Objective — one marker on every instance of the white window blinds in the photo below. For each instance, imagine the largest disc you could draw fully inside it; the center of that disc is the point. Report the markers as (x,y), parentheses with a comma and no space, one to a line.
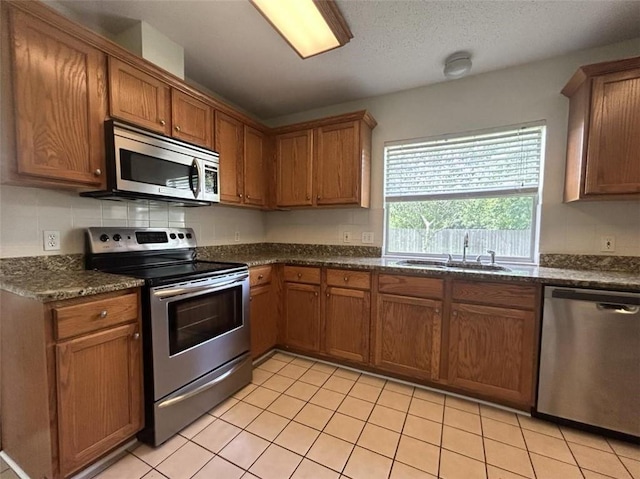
(487,163)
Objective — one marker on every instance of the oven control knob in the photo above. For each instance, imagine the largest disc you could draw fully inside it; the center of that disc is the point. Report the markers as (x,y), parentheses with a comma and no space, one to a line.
(172,236)
(188,235)
(180,235)
(117,237)
(104,238)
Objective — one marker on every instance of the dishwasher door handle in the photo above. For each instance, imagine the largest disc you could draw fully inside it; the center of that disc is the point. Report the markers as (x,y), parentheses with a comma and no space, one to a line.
(618,308)
(596,297)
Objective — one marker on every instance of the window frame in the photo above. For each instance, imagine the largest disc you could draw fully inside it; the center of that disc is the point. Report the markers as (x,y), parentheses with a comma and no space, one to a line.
(534,193)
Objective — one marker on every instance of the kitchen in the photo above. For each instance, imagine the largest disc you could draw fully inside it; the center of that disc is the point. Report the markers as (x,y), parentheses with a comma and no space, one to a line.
(516,95)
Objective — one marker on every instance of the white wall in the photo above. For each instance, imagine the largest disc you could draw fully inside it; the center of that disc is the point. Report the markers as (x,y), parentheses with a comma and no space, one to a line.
(520,94)
(26,212)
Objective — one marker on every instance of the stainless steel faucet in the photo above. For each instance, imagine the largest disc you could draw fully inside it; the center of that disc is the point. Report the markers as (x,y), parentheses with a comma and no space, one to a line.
(465,246)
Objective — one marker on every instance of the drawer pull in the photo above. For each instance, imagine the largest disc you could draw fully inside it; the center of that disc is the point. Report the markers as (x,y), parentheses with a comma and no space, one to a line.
(178,128)
(455,313)
(162,122)
(260,276)
(328,294)
(136,336)
(437,311)
(346,278)
(299,275)
(315,293)
(250,298)
(103,313)
(97,172)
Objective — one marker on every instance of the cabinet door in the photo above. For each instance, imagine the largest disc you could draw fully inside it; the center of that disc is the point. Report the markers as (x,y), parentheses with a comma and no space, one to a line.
(192,119)
(264,328)
(302,316)
(99,387)
(255,167)
(60,103)
(491,351)
(294,168)
(138,97)
(347,313)
(338,166)
(229,135)
(408,336)
(613,151)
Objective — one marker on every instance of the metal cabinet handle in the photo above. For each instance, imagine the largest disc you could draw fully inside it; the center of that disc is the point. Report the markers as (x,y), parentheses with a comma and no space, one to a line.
(136,336)
(437,311)
(455,313)
(299,275)
(97,172)
(308,197)
(250,298)
(162,122)
(260,276)
(178,128)
(248,197)
(346,278)
(318,197)
(240,195)
(103,313)
(328,294)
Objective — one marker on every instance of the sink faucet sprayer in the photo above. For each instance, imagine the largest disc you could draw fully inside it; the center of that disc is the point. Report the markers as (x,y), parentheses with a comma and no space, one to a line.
(465,246)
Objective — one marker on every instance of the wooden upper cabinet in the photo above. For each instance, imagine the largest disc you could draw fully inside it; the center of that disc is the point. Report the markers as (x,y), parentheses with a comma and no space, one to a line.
(294,173)
(255,171)
(325,162)
(229,144)
(192,119)
(60,104)
(338,165)
(603,146)
(139,98)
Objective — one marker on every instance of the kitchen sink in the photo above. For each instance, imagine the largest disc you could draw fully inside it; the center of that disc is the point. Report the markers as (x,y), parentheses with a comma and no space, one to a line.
(452,265)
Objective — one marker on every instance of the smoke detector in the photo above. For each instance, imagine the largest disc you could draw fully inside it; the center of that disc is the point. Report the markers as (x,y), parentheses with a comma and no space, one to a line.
(457,65)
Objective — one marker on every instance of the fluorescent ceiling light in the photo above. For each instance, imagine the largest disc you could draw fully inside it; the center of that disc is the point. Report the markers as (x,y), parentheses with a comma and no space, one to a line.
(309,26)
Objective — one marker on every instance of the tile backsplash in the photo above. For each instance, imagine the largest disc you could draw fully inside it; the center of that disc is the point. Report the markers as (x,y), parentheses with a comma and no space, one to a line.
(26,212)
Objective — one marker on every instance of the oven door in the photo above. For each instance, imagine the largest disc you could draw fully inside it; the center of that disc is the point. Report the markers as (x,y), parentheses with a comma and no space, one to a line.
(196,327)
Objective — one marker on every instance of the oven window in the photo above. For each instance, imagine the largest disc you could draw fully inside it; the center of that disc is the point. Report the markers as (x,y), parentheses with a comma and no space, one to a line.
(154,171)
(196,320)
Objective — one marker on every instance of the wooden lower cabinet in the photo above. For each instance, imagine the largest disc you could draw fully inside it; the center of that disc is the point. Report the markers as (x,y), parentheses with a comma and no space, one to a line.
(264,327)
(302,316)
(71,380)
(407,335)
(492,352)
(99,384)
(347,313)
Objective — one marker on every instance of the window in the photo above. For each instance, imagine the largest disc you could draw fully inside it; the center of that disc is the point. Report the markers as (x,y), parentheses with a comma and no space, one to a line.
(485,183)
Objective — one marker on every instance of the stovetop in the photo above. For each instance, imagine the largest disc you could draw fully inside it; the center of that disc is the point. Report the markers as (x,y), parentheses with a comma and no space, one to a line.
(157,255)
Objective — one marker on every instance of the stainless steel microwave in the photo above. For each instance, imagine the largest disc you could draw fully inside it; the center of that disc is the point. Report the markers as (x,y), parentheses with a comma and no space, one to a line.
(145,165)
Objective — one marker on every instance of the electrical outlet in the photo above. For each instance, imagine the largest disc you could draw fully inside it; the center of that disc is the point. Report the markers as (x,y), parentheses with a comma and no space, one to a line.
(367,237)
(608,243)
(237,236)
(346,237)
(51,240)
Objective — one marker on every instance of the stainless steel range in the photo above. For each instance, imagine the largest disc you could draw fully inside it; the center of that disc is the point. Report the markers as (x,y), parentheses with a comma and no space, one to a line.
(195,321)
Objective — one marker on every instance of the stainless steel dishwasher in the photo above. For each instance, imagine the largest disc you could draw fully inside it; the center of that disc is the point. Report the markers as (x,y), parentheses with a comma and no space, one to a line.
(590,358)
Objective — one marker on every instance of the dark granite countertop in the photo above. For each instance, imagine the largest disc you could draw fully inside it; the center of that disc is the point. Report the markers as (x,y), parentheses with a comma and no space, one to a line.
(525,274)
(52,285)
(50,278)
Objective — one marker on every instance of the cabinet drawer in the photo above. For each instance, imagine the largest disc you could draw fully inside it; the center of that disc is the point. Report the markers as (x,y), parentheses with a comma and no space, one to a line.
(349,279)
(260,275)
(410,286)
(91,316)
(499,294)
(302,274)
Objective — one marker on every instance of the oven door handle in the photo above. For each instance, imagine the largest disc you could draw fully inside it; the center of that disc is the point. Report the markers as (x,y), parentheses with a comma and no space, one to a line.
(170,293)
(184,396)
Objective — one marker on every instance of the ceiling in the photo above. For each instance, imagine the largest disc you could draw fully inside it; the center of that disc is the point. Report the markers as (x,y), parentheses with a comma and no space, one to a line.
(397,44)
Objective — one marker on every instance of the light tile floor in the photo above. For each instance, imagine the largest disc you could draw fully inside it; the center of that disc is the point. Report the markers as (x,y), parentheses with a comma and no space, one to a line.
(301,419)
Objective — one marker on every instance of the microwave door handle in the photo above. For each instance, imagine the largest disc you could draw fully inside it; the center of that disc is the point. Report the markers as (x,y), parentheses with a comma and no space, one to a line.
(200,178)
